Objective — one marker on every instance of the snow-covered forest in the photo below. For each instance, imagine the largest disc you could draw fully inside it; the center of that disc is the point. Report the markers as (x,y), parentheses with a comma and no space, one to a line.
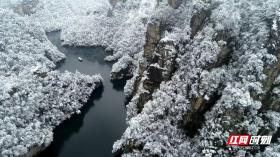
(197,70)
(33,97)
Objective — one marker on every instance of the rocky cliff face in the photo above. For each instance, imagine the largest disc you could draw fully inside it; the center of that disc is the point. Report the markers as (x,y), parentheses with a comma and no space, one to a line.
(114,2)
(213,73)
(158,65)
(153,36)
(201,70)
(175,3)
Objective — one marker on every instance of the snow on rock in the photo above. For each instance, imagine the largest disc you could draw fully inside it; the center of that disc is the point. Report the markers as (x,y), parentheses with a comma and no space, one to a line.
(124,68)
(33,98)
(219,59)
(225,82)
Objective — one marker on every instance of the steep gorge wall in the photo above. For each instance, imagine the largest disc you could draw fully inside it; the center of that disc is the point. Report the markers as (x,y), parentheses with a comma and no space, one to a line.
(220,78)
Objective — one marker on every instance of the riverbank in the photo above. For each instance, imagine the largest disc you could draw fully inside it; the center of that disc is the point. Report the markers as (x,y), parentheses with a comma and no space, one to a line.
(102,119)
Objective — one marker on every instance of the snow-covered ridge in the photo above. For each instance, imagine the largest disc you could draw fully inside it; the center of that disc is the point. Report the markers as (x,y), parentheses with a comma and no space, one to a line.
(120,28)
(225,57)
(61,14)
(225,81)
(33,98)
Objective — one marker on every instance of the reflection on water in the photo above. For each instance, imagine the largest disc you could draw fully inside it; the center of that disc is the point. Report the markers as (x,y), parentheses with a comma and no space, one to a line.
(102,121)
(119,84)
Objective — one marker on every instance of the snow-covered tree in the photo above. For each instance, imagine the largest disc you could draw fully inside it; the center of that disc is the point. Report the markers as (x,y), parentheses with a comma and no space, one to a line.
(33,97)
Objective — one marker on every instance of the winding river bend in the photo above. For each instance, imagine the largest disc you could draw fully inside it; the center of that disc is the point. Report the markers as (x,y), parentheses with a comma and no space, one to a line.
(102,121)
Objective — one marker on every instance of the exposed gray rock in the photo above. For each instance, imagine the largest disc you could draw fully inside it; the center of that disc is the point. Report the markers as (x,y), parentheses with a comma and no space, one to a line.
(154,74)
(114,2)
(198,20)
(124,69)
(175,3)
(160,67)
(152,38)
(125,73)
(270,100)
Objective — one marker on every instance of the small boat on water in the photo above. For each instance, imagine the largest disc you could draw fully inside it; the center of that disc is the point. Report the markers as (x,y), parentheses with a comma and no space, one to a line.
(80,59)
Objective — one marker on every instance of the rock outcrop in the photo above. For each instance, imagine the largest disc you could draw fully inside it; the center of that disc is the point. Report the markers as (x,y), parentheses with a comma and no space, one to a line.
(114,2)
(194,119)
(153,35)
(175,3)
(270,98)
(124,69)
(159,65)
(225,81)
(198,20)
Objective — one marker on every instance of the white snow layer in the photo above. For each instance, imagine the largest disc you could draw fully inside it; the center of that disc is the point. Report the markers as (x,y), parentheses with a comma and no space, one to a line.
(157,131)
(34,98)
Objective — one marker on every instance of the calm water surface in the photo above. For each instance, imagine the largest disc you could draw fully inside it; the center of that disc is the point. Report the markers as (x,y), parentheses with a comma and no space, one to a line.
(102,122)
